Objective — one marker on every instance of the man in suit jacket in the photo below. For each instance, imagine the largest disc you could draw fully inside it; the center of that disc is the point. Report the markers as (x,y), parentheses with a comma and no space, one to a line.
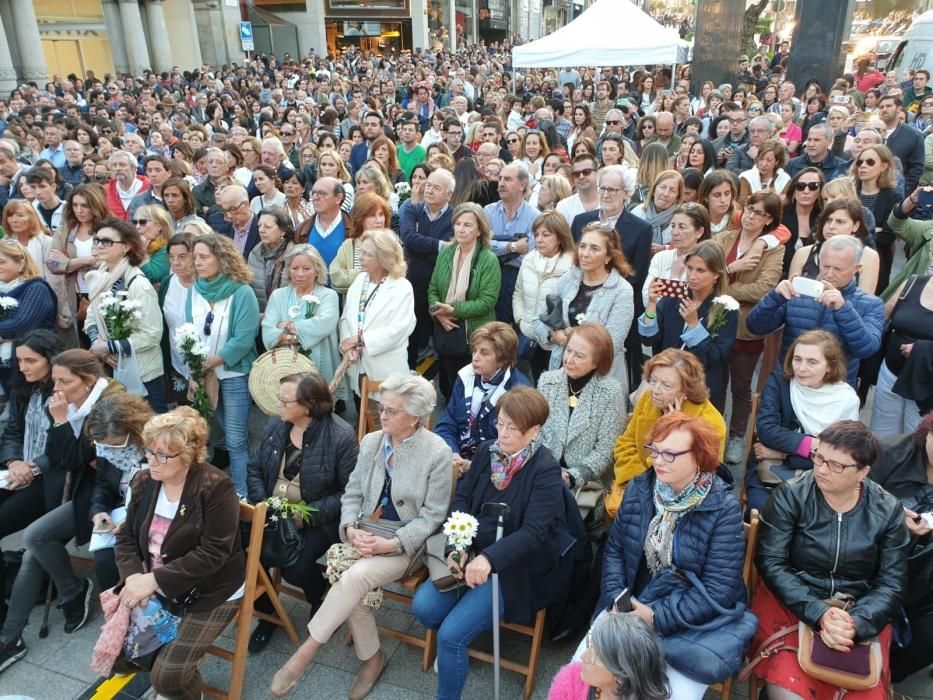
(904,141)
(372,129)
(234,201)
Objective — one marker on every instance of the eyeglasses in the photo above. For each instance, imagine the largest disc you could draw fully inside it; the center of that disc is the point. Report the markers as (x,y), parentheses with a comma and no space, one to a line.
(507,427)
(230,210)
(140,222)
(812,186)
(870,162)
(611,191)
(288,133)
(282,402)
(390,412)
(741,120)
(104,242)
(757,213)
(160,457)
(663,456)
(321,193)
(831,464)
(208,321)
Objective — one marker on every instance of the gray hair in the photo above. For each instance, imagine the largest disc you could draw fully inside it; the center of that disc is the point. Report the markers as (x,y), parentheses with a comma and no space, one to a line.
(317,262)
(625,174)
(117,155)
(845,243)
(617,113)
(758,121)
(524,176)
(632,653)
(826,128)
(448,177)
(417,394)
(274,141)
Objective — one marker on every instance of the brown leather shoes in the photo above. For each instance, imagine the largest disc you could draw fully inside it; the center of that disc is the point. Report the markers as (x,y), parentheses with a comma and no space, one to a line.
(367,677)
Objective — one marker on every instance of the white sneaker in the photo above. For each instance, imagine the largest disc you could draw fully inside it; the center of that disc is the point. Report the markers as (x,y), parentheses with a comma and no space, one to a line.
(735,450)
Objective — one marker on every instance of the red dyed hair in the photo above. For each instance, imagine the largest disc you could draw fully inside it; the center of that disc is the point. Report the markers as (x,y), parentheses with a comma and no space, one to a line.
(704,440)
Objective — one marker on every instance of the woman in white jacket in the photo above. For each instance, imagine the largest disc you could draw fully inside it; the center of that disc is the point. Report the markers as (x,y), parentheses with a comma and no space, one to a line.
(541,268)
(379,311)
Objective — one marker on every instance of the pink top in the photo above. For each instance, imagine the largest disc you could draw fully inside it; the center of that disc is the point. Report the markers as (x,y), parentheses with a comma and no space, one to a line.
(568,685)
(791,133)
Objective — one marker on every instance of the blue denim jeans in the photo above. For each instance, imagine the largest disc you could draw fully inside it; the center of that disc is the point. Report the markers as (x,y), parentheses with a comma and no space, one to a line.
(457,622)
(233,416)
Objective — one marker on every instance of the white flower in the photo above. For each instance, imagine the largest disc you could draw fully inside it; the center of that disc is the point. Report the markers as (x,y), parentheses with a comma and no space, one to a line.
(187,331)
(402,188)
(727,302)
(294,311)
(274,518)
(138,315)
(7,303)
(460,529)
(107,300)
(581,319)
(131,304)
(311,299)
(200,349)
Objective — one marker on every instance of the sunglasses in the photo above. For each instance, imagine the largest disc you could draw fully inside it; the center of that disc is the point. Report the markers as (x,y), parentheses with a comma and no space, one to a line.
(586,172)
(613,122)
(140,222)
(870,162)
(104,242)
(208,321)
(511,140)
(812,186)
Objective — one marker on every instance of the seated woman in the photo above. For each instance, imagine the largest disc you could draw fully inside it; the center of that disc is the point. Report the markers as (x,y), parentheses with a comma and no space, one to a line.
(181,541)
(518,470)
(305,456)
(115,427)
(594,289)
(689,522)
(800,400)
(903,469)
(402,480)
(31,488)
(832,533)
(838,218)
(674,382)
(622,660)
(672,322)
(470,416)
(586,411)
(78,383)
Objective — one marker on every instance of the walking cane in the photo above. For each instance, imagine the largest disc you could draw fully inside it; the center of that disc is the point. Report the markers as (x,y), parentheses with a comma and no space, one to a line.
(498,510)
(44,628)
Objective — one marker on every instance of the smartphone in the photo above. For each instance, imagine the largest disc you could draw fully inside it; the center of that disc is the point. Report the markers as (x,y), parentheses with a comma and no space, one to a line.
(840,100)
(926,519)
(622,603)
(673,288)
(806,287)
(925,198)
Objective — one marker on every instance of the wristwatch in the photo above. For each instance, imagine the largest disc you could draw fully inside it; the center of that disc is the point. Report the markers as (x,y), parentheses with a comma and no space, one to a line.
(512,247)
(399,549)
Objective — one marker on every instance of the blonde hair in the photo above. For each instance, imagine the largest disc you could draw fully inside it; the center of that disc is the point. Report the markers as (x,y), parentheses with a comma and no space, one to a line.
(344,175)
(559,187)
(372,171)
(231,260)
(202,227)
(15,251)
(388,251)
(182,430)
(163,219)
(36,226)
(317,262)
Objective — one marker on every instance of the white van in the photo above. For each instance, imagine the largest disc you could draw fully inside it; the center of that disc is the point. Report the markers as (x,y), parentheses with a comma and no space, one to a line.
(916,50)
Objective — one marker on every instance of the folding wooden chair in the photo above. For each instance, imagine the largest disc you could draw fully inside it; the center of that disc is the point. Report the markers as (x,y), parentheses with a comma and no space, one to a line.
(366,423)
(530,669)
(257,584)
(749,578)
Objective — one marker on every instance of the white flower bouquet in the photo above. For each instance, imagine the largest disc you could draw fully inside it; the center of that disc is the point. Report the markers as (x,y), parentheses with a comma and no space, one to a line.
(460,530)
(403,190)
(121,314)
(312,304)
(7,306)
(723,305)
(195,353)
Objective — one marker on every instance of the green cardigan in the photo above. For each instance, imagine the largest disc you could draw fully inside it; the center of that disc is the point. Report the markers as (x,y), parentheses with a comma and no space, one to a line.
(479,307)
(157,268)
(240,349)
(918,235)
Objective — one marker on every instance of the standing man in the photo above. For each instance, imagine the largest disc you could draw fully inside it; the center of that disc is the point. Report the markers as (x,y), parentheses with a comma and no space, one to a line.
(601,106)
(664,133)
(425,230)
(918,89)
(586,198)
(234,203)
(737,136)
(453,139)
(817,154)
(904,141)
(744,157)
(53,150)
(125,185)
(47,204)
(11,173)
(410,152)
(327,228)
(157,171)
(204,194)
(73,170)
(372,129)
(511,220)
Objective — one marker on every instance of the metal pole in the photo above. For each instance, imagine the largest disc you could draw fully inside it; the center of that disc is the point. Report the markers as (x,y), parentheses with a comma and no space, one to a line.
(499,510)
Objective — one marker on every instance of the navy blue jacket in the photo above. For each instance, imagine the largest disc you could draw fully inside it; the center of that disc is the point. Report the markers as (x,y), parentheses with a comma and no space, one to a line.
(358,156)
(420,237)
(713,352)
(831,165)
(857,324)
(454,421)
(709,541)
(535,533)
(635,239)
(225,228)
(906,143)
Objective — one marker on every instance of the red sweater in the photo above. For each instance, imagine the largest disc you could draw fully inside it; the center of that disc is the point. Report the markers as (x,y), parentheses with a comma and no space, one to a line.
(115,204)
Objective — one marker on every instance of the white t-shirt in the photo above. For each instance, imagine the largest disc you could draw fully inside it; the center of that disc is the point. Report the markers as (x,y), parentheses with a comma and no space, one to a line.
(83,249)
(174,311)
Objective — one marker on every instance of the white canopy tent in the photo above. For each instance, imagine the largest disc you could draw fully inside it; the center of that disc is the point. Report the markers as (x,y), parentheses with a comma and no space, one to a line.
(608,33)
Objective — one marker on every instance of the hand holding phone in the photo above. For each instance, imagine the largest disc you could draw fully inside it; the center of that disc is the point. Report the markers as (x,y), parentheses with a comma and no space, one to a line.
(806,287)
(622,603)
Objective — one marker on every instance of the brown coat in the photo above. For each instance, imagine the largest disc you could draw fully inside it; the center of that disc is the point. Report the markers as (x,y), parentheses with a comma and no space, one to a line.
(201,553)
(750,286)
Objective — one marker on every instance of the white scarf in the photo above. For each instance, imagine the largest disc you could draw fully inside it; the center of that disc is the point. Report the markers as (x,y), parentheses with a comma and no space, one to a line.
(818,408)
(76,416)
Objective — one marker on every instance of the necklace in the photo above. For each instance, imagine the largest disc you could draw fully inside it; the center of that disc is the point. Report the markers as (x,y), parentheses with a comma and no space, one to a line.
(572,400)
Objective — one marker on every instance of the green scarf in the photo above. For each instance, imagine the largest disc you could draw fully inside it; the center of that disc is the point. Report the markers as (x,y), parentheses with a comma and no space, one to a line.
(216,289)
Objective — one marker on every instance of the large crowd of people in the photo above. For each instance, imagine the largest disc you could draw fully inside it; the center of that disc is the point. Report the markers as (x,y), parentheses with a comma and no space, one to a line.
(606,271)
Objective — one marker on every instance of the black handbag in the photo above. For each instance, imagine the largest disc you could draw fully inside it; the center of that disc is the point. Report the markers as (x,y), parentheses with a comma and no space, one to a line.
(282,543)
(451,343)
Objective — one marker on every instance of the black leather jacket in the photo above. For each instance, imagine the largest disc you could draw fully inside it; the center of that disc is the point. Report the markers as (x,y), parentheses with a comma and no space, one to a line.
(807,552)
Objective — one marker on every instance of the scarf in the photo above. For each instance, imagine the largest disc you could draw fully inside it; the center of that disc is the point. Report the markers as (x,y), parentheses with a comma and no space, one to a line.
(216,289)
(274,264)
(460,276)
(816,409)
(671,507)
(659,222)
(104,281)
(503,467)
(7,287)
(109,645)
(478,404)
(76,416)
(36,426)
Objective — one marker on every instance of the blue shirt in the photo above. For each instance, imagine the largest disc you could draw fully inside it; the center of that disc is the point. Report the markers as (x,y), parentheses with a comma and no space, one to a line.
(57,156)
(505,230)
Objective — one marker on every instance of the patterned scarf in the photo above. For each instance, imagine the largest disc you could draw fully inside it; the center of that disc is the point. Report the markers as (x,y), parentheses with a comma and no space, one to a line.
(503,467)
(670,507)
(477,405)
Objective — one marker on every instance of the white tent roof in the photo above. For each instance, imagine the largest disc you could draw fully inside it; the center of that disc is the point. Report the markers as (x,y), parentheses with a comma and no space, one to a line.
(608,33)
